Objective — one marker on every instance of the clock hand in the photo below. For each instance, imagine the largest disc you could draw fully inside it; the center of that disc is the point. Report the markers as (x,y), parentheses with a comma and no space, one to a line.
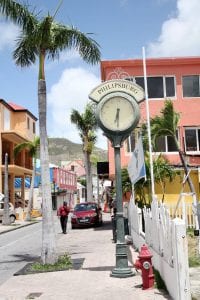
(117,117)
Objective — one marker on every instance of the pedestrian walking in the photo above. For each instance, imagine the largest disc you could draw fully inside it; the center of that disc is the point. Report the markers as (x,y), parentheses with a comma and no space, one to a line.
(63,213)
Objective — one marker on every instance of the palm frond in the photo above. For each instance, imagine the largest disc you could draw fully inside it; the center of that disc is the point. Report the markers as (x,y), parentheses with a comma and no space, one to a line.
(166,124)
(71,38)
(31,146)
(77,119)
(26,51)
(19,14)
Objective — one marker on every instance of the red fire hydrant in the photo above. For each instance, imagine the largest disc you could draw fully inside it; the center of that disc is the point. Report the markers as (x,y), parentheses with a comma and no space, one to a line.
(145,265)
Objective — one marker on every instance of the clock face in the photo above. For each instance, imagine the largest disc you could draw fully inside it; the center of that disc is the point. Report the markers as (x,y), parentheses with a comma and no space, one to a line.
(117,113)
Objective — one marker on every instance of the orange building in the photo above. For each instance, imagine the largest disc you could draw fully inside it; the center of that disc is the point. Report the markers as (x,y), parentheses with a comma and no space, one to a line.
(17,125)
(177,79)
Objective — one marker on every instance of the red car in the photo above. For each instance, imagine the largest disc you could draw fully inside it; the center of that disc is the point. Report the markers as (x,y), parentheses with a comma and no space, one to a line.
(86,214)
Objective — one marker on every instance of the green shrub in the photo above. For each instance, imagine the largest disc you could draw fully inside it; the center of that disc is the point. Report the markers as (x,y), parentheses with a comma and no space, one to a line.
(63,263)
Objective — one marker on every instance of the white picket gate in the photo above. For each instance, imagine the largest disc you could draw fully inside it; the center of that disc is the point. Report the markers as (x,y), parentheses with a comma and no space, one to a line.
(184,211)
(166,238)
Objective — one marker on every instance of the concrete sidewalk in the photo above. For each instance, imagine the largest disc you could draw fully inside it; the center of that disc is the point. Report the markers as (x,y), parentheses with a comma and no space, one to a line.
(97,251)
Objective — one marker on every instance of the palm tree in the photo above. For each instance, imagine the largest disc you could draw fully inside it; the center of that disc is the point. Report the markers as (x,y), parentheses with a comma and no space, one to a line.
(86,124)
(163,172)
(33,148)
(166,125)
(45,39)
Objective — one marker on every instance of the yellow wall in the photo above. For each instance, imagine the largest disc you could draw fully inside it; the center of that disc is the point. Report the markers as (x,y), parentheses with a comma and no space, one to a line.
(14,129)
(19,124)
(173,189)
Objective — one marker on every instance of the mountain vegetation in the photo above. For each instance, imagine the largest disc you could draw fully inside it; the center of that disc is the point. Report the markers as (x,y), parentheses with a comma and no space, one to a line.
(61,149)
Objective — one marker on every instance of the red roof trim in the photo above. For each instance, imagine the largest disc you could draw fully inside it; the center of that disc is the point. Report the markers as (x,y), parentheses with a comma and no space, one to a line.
(16,107)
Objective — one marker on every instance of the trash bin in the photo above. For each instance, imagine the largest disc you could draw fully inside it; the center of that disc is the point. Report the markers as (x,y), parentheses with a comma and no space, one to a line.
(114,229)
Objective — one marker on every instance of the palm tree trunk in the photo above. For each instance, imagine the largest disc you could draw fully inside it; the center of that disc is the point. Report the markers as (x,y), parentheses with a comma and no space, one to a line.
(190,183)
(30,202)
(88,176)
(48,255)
(185,167)
(192,189)
(6,218)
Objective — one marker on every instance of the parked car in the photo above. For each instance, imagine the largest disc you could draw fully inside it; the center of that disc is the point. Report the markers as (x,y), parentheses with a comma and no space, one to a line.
(11,212)
(86,214)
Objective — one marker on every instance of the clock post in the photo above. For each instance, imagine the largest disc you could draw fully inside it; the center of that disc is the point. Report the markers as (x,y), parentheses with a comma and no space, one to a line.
(121,269)
(117,115)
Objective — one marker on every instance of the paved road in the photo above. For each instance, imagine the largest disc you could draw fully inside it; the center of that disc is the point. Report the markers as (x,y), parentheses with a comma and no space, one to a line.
(17,248)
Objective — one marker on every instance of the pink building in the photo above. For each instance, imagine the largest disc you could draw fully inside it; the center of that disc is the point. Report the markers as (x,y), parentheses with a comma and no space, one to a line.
(64,186)
(76,166)
(177,79)
(65,179)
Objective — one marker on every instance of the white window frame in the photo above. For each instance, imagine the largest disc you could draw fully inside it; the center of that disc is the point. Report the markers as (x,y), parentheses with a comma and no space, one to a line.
(198,142)
(128,141)
(189,97)
(133,78)
(166,146)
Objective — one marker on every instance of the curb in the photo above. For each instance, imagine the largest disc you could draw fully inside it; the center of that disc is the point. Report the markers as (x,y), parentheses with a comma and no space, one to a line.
(18,227)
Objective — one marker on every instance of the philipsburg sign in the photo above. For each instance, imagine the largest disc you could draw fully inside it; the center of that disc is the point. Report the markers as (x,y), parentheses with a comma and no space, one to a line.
(112,86)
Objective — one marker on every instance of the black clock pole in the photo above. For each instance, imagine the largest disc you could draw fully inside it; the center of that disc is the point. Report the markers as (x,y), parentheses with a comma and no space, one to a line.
(121,270)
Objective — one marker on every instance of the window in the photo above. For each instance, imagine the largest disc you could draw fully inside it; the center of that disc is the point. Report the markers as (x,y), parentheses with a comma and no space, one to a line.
(192,139)
(165,144)
(158,86)
(33,127)
(191,86)
(28,123)
(130,143)
(83,192)
(6,119)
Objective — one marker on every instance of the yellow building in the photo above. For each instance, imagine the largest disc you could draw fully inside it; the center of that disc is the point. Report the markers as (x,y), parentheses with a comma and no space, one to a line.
(17,125)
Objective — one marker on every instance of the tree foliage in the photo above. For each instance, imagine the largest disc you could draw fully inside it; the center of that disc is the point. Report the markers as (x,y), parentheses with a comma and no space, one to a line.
(166,124)
(86,124)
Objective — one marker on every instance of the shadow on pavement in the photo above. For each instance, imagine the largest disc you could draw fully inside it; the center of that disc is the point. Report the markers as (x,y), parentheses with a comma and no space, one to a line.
(23,257)
(105,226)
(105,268)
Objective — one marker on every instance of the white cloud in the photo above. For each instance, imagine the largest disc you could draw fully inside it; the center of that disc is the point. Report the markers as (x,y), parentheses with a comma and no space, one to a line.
(179,35)
(70,92)
(8,34)
(70,55)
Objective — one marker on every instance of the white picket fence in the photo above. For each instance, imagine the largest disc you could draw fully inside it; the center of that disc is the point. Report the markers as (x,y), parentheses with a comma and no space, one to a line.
(184,211)
(166,238)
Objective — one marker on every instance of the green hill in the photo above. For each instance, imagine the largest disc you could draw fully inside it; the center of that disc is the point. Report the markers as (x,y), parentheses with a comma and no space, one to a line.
(61,149)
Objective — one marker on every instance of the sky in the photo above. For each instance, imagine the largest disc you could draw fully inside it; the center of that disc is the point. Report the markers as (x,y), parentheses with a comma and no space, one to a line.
(166,28)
